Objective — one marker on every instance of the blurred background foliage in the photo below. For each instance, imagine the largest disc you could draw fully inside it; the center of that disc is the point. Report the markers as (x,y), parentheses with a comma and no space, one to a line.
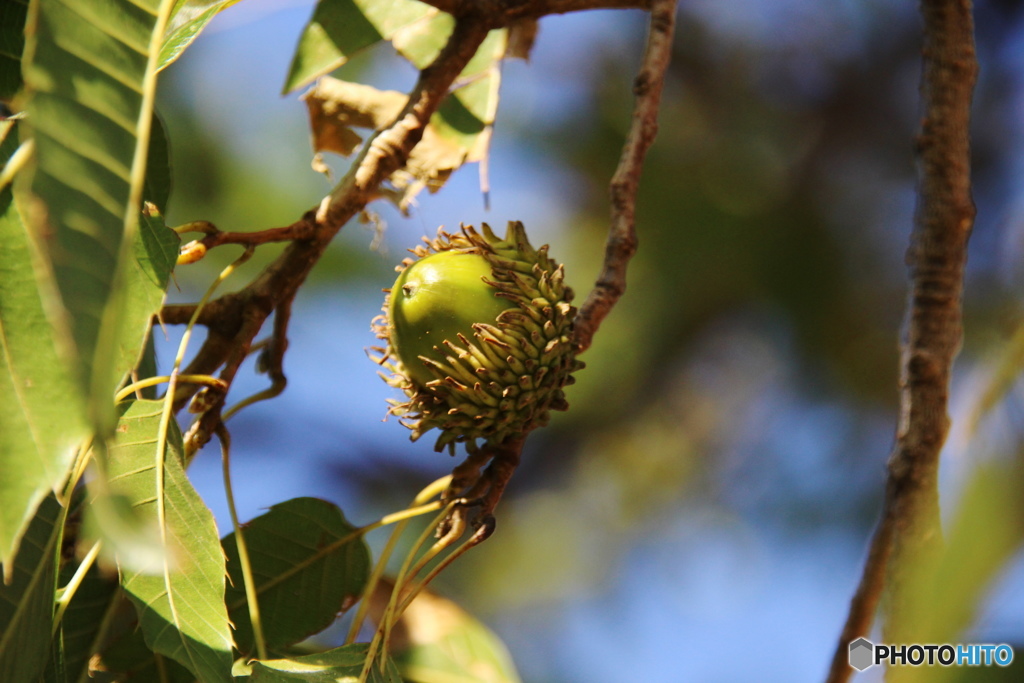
(710,493)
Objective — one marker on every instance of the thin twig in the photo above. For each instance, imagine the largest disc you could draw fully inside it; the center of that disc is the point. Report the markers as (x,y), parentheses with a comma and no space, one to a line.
(622,239)
(271,360)
(300,230)
(909,531)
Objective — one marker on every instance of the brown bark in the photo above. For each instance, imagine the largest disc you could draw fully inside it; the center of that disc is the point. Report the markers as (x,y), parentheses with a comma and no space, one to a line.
(909,536)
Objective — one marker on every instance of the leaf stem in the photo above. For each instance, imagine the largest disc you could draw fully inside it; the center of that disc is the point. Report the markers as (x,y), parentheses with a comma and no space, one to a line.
(208,380)
(419,505)
(18,160)
(243,550)
(348,538)
(379,642)
(406,575)
(166,414)
(69,590)
(481,535)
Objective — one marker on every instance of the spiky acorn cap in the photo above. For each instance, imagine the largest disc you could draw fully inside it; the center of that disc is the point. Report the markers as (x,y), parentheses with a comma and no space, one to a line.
(479,337)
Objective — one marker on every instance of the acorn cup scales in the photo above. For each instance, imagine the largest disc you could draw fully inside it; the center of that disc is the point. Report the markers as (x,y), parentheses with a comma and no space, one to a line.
(478,334)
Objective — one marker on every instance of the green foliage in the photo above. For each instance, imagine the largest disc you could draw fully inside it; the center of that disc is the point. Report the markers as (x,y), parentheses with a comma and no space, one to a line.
(87,262)
(188,19)
(154,251)
(128,658)
(181,604)
(12,42)
(470,110)
(459,130)
(26,603)
(446,644)
(82,629)
(39,411)
(90,72)
(308,564)
(341,665)
(339,29)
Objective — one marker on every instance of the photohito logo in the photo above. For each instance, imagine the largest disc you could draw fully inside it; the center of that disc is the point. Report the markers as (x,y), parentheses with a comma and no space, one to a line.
(864,654)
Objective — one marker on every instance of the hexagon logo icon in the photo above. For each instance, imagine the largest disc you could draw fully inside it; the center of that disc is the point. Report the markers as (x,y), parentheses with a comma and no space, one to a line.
(862,654)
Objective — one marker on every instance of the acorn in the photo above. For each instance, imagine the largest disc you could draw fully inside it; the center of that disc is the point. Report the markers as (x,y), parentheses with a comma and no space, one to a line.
(478,334)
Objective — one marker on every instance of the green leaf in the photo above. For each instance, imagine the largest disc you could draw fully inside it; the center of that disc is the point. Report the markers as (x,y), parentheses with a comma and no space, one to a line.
(303,576)
(189,18)
(90,69)
(12,43)
(155,251)
(82,627)
(459,132)
(470,110)
(181,607)
(984,535)
(341,665)
(128,659)
(341,28)
(444,644)
(40,423)
(26,604)
(158,166)
(422,41)
(147,366)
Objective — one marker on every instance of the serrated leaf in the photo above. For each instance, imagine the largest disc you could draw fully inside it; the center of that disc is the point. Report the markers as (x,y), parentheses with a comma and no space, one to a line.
(181,608)
(90,69)
(188,20)
(26,604)
(341,28)
(40,415)
(340,665)
(303,576)
(12,43)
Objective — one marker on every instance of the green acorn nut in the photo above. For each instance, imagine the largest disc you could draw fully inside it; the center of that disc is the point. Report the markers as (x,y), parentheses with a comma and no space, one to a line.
(479,337)
(439,297)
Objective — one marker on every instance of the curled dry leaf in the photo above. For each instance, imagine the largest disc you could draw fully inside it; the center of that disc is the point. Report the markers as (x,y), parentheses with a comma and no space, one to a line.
(336,107)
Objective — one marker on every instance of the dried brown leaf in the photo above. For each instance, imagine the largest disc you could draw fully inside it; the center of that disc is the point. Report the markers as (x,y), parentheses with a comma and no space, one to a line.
(336,107)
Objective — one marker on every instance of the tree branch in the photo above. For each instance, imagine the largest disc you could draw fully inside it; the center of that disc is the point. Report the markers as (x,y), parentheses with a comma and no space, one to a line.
(622,239)
(535,10)
(909,533)
(235,319)
(510,10)
(386,152)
